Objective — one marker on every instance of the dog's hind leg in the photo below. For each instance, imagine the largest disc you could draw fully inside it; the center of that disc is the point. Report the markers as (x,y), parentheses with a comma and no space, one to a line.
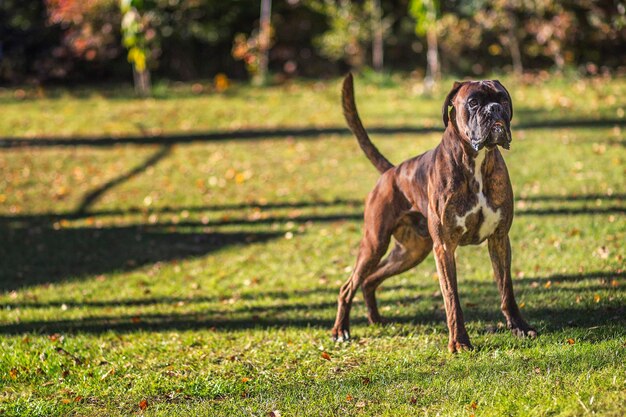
(410,249)
(380,220)
(371,251)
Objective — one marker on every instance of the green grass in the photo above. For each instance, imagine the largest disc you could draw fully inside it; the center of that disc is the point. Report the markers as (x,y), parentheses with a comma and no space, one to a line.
(202,277)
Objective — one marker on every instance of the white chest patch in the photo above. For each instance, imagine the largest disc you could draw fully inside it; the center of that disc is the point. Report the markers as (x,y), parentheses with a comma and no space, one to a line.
(491,218)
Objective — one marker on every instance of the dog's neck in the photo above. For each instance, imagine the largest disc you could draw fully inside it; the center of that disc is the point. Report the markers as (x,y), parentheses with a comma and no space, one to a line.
(459,149)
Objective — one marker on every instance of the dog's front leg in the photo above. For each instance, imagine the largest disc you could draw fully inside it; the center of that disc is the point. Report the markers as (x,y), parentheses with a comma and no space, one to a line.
(446,268)
(500,253)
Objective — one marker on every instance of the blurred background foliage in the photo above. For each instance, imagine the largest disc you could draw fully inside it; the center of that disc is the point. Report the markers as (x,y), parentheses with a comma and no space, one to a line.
(83,40)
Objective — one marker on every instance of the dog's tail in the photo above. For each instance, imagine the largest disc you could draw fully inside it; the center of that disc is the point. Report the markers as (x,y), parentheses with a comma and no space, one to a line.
(354,122)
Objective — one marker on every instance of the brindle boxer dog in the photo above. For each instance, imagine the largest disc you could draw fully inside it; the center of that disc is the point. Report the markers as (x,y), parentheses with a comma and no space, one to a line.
(456,194)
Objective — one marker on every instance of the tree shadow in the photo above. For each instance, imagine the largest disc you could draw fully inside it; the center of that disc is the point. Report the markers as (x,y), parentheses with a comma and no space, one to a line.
(487,289)
(39,249)
(278,311)
(36,250)
(353,203)
(93,196)
(284,133)
(50,217)
(574,197)
(550,320)
(37,255)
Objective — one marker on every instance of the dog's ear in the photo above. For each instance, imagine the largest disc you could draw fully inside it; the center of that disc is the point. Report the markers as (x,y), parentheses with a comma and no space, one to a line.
(448,102)
(507,95)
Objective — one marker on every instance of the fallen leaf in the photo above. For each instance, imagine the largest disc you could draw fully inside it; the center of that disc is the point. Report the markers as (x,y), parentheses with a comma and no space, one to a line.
(274,413)
(66,400)
(614,283)
(326,356)
(78,399)
(108,374)
(349,397)
(596,298)
(548,284)
(473,405)
(413,400)
(574,232)
(55,337)
(143,404)
(602,252)
(360,404)
(245,379)
(571,341)
(13,373)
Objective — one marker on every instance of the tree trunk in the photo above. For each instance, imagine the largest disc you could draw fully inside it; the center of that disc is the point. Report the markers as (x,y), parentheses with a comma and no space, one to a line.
(142,82)
(377,37)
(264,42)
(516,55)
(433,73)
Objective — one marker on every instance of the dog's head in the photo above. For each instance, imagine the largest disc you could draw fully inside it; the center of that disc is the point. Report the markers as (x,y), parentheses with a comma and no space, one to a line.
(481,113)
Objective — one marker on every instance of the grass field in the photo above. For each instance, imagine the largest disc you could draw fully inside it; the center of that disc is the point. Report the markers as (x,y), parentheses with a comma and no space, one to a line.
(182,256)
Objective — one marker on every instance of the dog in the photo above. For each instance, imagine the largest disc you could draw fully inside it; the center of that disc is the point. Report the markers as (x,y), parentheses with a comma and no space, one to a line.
(456,194)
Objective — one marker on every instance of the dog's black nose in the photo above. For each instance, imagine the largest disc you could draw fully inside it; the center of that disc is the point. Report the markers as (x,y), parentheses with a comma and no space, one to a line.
(494,108)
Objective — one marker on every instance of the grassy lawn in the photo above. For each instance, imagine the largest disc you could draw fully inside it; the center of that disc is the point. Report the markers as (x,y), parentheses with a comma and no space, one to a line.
(182,256)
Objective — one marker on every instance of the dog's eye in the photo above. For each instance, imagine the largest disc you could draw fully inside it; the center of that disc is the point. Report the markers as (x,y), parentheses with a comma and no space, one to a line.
(473,102)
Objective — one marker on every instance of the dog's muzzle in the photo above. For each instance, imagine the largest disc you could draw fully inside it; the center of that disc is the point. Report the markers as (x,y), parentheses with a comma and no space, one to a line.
(499,135)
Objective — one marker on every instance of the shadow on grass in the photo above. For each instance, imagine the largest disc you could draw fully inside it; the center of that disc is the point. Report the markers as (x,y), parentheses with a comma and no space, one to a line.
(36,255)
(38,249)
(301,314)
(352,203)
(93,196)
(487,289)
(286,133)
(553,319)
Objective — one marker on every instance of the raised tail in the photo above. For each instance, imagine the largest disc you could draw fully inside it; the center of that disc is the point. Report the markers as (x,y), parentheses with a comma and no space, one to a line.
(354,122)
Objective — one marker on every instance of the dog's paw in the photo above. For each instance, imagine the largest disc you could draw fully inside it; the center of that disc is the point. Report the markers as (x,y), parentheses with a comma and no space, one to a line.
(526,331)
(522,329)
(455,346)
(341,335)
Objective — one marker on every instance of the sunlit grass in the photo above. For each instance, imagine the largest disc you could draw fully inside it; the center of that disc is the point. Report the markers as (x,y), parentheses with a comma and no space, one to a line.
(202,277)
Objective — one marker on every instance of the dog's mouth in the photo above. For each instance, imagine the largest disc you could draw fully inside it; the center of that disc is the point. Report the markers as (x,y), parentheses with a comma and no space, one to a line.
(498,134)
